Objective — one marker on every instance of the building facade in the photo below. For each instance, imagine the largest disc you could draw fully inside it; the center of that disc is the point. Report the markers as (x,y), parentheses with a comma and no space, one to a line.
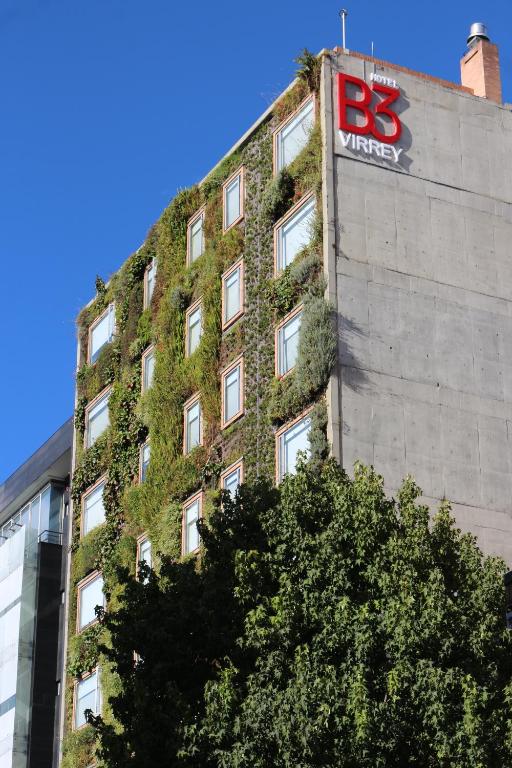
(33,507)
(366,192)
(420,273)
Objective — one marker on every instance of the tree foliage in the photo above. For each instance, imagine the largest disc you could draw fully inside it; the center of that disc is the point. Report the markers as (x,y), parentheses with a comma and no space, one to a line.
(327,626)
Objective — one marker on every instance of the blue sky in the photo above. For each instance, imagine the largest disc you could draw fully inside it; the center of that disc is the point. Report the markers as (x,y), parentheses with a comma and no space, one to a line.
(110,106)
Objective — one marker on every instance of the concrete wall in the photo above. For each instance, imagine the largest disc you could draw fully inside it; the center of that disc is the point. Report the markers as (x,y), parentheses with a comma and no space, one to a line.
(419,261)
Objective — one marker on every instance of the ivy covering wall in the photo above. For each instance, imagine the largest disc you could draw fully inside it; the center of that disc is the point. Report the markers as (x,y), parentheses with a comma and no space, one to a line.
(155,506)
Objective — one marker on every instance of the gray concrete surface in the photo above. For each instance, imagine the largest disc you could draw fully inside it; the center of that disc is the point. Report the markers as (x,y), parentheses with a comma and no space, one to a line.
(420,254)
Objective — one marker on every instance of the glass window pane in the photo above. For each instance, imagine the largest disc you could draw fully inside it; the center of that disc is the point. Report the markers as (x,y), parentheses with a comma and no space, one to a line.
(232,202)
(145,552)
(191,532)
(34,513)
(98,420)
(149,370)
(295,135)
(90,596)
(232,481)
(196,239)
(144,465)
(292,441)
(94,510)
(193,427)
(288,343)
(194,330)
(150,282)
(295,234)
(232,394)
(25,515)
(86,698)
(102,333)
(232,295)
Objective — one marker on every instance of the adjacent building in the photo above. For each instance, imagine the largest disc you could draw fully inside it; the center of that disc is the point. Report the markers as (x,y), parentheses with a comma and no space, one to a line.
(340,281)
(33,514)
(419,269)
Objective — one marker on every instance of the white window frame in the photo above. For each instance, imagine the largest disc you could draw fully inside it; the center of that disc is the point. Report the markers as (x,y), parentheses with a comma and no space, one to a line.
(104,394)
(191,402)
(197,305)
(196,498)
(100,482)
(152,266)
(98,702)
(279,343)
(85,584)
(308,105)
(199,216)
(238,363)
(285,221)
(109,314)
(238,266)
(240,172)
(280,442)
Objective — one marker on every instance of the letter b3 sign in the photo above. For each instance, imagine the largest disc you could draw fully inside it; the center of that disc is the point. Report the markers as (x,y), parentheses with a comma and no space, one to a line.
(363,106)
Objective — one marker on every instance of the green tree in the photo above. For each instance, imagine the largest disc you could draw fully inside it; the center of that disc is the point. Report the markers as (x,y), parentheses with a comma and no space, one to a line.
(336,627)
(169,635)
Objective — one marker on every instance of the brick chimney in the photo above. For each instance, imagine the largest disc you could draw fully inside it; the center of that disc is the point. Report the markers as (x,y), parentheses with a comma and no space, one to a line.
(480,65)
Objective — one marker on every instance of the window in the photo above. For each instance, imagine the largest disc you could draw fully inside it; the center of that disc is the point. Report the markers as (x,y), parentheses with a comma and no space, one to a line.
(287,342)
(145,454)
(233,199)
(148,368)
(192,512)
(87,696)
(93,510)
(232,392)
(193,427)
(232,294)
(232,478)
(195,237)
(101,332)
(293,232)
(96,418)
(42,513)
(90,594)
(293,135)
(144,553)
(193,328)
(149,282)
(290,440)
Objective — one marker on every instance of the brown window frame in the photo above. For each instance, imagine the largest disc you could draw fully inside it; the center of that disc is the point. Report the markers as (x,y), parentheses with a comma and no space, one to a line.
(193,307)
(79,587)
(197,215)
(240,171)
(279,434)
(198,496)
(286,319)
(99,481)
(283,124)
(238,265)
(196,397)
(238,362)
(284,219)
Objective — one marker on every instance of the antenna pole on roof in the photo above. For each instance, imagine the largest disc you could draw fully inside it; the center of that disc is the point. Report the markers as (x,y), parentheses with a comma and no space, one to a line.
(343,14)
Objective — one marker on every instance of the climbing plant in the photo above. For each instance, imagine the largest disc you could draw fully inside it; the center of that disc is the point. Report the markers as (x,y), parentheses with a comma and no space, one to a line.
(155,506)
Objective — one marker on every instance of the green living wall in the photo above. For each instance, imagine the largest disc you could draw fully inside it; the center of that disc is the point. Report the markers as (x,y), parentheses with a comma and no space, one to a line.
(155,506)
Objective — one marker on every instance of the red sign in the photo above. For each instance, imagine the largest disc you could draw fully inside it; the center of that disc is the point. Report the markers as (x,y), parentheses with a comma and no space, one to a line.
(364,107)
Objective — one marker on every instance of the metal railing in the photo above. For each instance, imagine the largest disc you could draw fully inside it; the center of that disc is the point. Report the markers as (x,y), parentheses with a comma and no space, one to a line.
(50,537)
